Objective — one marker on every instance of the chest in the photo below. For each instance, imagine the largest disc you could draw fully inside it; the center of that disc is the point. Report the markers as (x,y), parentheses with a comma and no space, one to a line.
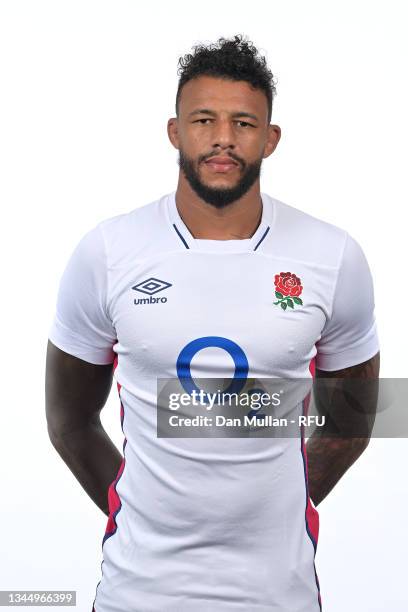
(215,302)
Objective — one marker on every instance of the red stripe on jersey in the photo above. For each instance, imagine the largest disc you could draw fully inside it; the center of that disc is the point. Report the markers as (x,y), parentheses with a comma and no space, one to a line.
(312,366)
(114,501)
(311,514)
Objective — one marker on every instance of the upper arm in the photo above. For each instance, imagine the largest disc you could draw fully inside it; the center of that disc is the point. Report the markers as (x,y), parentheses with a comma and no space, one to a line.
(348,352)
(80,355)
(367,369)
(82,326)
(348,399)
(75,390)
(350,336)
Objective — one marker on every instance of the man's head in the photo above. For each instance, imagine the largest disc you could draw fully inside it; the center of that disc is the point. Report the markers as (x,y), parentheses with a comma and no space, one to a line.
(223,107)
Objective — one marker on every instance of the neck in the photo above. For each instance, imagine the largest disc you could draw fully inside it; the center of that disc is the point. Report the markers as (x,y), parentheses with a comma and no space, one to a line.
(236,221)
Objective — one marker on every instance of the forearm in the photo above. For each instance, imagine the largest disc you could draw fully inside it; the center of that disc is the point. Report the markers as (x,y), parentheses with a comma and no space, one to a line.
(328,460)
(92,457)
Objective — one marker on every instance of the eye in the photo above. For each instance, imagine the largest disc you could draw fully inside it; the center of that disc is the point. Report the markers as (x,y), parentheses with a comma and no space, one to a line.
(243,124)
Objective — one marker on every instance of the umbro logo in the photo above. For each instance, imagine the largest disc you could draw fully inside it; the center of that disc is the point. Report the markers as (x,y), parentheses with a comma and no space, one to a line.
(151,286)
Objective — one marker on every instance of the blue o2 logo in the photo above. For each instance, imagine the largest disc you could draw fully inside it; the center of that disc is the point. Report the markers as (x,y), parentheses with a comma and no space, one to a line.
(232,348)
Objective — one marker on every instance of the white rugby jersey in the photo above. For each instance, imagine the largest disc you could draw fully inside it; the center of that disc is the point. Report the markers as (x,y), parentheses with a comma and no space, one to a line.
(211,524)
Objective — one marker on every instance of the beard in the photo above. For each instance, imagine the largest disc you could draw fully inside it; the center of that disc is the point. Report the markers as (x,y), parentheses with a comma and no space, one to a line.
(216,196)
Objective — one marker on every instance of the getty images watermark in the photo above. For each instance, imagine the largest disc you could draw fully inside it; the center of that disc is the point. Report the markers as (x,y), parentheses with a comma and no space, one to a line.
(250,404)
(284,408)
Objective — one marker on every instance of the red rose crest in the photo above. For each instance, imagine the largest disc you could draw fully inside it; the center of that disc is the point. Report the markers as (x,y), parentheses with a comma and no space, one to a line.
(288,287)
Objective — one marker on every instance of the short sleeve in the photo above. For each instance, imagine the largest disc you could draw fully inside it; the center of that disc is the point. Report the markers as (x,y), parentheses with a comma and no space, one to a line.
(81,325)
(350,336)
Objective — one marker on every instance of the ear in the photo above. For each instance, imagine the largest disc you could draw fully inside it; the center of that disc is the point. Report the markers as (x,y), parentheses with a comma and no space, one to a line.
(172,132)
(274,134)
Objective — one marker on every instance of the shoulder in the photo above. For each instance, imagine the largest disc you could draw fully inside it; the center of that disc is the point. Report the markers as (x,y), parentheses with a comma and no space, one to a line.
(305,236)
(141,218)
(135,230)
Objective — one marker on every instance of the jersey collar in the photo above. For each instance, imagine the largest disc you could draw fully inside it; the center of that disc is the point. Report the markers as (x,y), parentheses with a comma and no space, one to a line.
(244,244)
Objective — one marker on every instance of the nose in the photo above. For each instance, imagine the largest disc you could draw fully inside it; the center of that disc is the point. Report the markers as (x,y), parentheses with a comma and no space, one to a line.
(223,134)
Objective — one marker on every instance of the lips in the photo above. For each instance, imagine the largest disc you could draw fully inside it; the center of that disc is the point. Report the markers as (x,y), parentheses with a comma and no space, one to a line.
(221,161)
(221,164)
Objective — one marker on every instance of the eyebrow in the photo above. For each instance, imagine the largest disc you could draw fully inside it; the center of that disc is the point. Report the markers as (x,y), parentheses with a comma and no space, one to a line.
(207,111)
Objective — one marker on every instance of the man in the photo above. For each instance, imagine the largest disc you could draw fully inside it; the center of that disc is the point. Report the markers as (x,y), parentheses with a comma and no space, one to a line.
(211,276)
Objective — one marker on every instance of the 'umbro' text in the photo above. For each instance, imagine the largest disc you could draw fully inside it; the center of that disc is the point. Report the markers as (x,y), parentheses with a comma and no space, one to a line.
(150,300)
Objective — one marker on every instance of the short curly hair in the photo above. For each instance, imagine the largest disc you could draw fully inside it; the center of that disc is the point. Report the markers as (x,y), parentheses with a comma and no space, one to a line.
(234,59)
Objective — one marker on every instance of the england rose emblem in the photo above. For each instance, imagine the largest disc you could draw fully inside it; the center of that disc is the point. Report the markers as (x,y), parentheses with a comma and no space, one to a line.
(288,287)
